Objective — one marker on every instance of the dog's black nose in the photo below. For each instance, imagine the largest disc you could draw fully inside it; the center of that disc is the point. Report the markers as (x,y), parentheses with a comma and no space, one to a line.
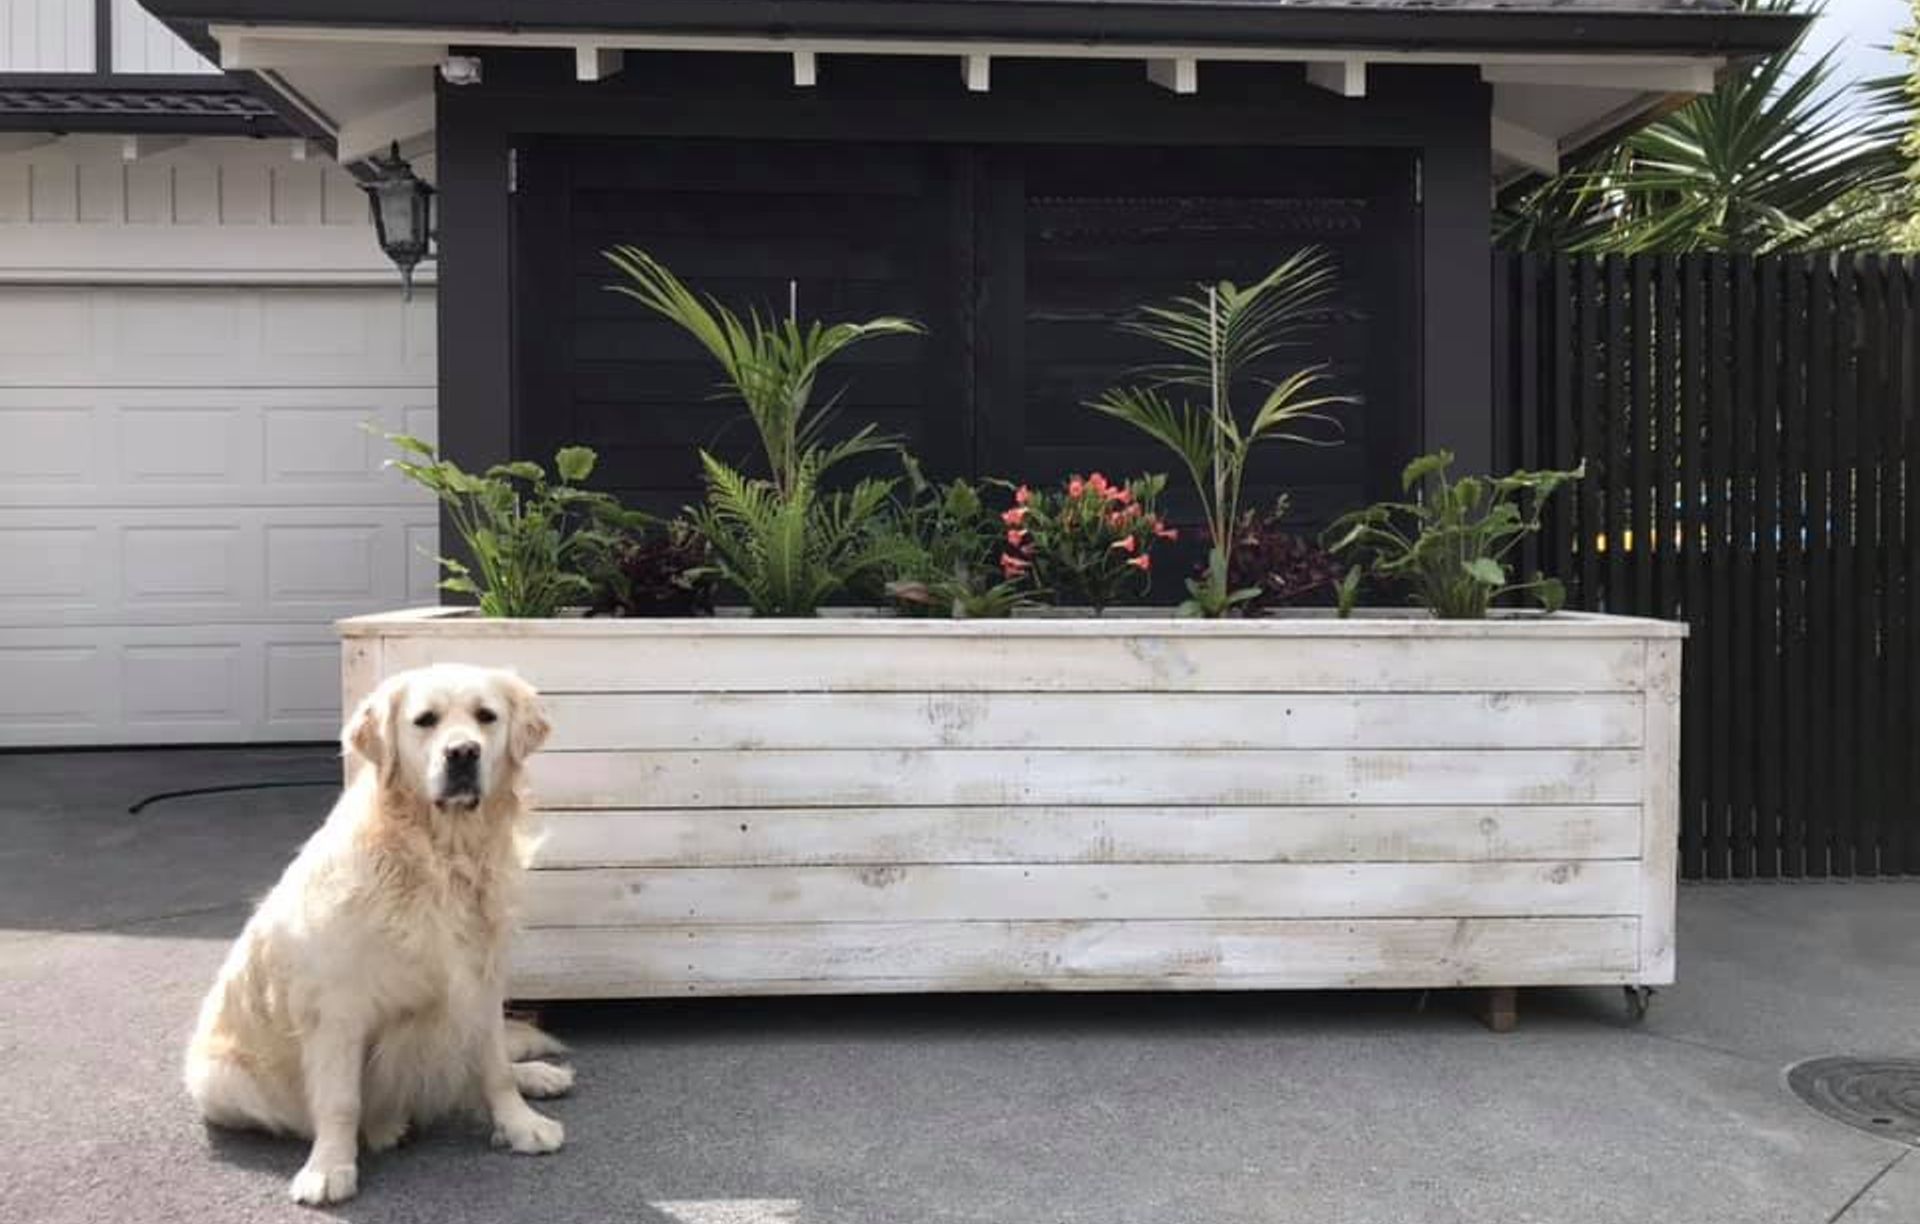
(463,754)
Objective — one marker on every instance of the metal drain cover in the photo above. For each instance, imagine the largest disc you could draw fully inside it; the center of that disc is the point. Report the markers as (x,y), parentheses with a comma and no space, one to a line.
(1878,1095)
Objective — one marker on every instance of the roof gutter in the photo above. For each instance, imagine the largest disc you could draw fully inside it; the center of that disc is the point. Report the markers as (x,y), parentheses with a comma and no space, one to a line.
(1222,23)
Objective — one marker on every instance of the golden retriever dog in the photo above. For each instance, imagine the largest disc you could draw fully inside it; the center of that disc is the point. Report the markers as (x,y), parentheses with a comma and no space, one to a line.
(364,996)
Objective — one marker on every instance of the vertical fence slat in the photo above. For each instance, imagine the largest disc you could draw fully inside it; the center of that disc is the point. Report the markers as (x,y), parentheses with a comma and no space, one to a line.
(1587,521)
(1617,436)
(1910,420)
(1743,610)
(1565,451)
(1846,449)
(1820,603)
(1895,496)
(1694,752)
(1719,613)
(1766,519)
(1869,403)
(1795,524)
(1641,420)
(1667,404)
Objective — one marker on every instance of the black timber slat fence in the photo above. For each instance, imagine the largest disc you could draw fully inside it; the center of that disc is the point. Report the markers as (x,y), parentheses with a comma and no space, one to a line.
(1748,425)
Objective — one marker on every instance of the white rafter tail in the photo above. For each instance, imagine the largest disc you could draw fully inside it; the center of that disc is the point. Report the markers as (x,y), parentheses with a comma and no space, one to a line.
(1181,75)
(1346,77)
(597,63)
(977,72)
(1525,146)
(22,142)
(298,149)
(133,148)
(1688,77)
(400,123)
(806,70)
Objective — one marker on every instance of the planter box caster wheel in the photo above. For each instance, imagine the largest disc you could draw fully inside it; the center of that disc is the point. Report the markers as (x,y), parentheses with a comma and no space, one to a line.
(1639,999)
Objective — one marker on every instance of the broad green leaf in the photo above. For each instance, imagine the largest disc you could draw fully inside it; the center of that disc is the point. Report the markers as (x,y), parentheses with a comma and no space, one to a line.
(574,463)
(1487,570)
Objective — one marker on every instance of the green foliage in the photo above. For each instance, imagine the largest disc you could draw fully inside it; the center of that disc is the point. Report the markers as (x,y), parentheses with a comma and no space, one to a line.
(786,542)
(658,571)
(1090,543)
(1903,94)
(947,540)
(1773,160)
(532,539)
(770,364)
(1451,542)
(1219,334)
(791,550)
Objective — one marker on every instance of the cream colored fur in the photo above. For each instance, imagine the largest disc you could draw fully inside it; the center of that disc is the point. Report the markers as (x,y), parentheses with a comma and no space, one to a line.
(364,996)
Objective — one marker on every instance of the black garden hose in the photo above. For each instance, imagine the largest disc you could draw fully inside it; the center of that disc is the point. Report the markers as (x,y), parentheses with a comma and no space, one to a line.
(136,809)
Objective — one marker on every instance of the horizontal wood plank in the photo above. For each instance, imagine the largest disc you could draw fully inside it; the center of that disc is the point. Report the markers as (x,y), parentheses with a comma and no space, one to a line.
(892,663)
(991,956)
(868,836)
(640,896)
(1082,776)
(1161,721)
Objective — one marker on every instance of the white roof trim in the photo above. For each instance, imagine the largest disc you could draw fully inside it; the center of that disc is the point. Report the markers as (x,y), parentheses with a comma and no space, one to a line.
(631,41)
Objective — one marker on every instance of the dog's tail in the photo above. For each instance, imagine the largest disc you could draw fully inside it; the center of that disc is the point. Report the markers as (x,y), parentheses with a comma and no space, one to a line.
(527,1040)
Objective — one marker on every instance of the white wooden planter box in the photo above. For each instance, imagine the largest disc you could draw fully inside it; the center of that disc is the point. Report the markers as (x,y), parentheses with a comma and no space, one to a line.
(742,806)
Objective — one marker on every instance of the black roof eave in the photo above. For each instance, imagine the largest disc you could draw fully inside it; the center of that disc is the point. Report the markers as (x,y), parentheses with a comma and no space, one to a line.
(1223,23)
(106,117)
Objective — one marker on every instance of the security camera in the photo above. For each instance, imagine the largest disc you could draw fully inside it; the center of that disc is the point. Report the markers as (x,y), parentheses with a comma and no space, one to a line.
(460,70)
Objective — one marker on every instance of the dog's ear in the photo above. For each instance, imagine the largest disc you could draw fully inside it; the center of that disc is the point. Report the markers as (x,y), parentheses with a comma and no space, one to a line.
(528,727)
(369,731)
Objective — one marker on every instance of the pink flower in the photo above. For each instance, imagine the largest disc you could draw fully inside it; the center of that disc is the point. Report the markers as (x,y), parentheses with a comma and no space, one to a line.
(1012,566)
(1126,544)
(1022,495)
(1098,484)
(1165,532)
(1143,563)
(1076,487)
(1017,538)
(1013,517)
(1123,495)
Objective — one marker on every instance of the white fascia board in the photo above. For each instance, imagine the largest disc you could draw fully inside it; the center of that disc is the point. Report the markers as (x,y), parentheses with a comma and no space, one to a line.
(255,53)
(359,36)
(1693,77)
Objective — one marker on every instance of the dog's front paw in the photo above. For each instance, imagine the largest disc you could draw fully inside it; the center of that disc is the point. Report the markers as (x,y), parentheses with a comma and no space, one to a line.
(317,1186)
(540,1080)
(530,1134)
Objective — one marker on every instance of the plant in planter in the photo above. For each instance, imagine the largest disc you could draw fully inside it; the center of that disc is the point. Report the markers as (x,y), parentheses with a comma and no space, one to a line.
(1090,542)
(1219,336)
(531,539)
(788,543)
(1280,566)
(1451,542)
(948,541)
(659,571)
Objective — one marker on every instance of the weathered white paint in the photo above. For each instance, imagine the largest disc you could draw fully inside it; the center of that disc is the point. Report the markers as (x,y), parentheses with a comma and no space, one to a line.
(865,836)
(865,957)
(754,806)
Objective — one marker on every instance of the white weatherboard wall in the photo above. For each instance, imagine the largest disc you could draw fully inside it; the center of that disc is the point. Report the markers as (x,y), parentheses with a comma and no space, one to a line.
(189,346)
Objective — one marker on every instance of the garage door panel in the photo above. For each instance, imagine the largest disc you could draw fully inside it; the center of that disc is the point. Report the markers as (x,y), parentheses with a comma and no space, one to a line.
(189,498)
(169,684)
(208,445)
(262,336)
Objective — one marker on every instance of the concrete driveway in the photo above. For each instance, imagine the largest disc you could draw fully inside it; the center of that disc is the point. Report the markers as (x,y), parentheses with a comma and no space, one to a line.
(1026,1110)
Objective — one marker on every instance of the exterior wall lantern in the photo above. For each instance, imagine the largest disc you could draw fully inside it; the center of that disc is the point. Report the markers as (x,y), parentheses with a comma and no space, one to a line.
(402,213)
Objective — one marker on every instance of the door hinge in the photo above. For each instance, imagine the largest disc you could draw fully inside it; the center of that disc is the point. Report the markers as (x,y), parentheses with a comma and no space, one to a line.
(1419,180)
(513,171)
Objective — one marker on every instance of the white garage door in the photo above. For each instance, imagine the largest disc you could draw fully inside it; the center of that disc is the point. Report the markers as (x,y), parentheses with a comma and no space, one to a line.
(188,500)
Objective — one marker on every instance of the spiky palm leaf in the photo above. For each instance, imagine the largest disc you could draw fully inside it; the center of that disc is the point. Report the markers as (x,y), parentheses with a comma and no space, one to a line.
(771,364)
(1768,161)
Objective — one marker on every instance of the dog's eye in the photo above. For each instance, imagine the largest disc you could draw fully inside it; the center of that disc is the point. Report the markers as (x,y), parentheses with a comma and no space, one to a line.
(425,718)
(485,715)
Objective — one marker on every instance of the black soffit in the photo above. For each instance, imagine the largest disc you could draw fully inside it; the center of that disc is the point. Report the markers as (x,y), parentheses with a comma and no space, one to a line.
(1700,27)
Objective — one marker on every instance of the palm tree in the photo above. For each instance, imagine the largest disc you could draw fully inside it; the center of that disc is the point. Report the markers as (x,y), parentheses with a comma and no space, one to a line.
(1772,160)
